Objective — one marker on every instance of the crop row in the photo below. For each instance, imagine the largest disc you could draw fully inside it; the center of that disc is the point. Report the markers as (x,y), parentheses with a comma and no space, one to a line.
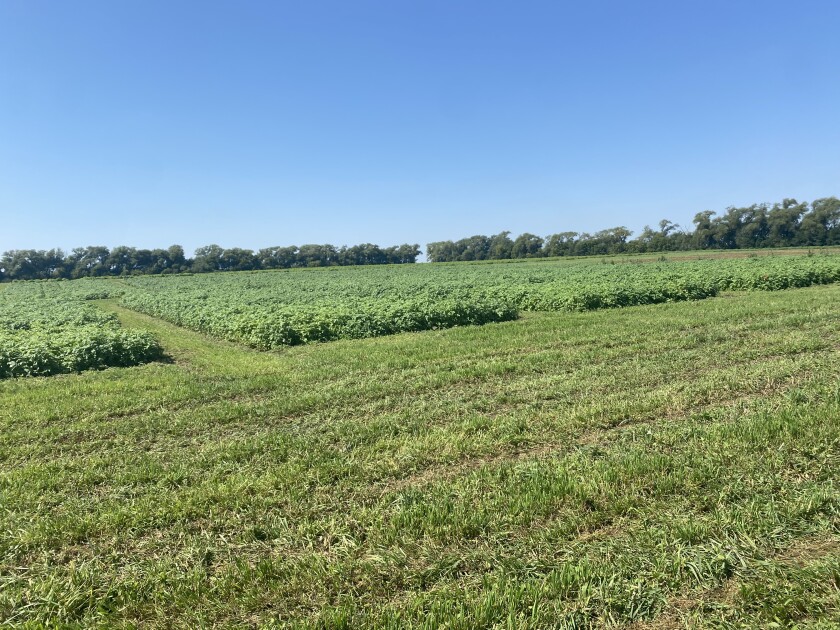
(62,351)
(45,331)
(267,325)
(273,309)
(630,285)
(47,327)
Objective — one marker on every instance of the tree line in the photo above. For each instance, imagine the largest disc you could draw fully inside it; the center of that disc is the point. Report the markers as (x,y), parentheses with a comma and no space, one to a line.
(786,224)
(94,261)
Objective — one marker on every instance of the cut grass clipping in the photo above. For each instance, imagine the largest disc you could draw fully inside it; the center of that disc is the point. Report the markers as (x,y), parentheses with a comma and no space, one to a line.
(665,465)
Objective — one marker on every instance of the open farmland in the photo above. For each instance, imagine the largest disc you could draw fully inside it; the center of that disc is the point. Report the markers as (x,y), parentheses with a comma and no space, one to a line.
(669,464)
(275,309)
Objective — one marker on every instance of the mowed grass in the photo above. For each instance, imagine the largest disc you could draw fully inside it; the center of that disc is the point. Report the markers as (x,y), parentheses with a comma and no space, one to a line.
(659,466)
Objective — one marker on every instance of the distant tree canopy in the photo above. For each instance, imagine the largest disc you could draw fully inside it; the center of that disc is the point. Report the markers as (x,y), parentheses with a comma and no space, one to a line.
(30,264)
(786,224)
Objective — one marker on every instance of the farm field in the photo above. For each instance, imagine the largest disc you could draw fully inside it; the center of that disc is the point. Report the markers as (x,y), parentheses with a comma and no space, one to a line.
(268,310)
(275,309)
(669,464)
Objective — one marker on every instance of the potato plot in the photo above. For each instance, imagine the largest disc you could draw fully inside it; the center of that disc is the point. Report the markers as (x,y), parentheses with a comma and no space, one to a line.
(274,309)
(51,328)
(47,328)
(269,310)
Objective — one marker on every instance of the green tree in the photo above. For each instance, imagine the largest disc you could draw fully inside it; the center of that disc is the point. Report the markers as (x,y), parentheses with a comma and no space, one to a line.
(705,233)
(561,244)
(207,258)
(821,225)
(783,221)
(441,251)
(527,246)
(500,246)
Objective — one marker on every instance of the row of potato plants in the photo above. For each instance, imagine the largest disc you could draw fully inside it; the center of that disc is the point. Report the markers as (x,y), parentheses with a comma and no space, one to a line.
(45,330)
(264,324)
(272,309)
(48,328)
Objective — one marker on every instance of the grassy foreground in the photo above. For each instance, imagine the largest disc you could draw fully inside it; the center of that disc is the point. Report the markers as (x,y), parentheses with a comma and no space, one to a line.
(660,466)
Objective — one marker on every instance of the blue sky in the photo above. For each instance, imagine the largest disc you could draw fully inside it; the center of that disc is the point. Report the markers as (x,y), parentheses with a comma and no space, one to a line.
(251,124)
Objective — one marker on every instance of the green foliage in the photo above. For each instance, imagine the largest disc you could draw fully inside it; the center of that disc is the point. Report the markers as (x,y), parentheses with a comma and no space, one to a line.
(98,261)
(655,467)
(42,352)
(273,310)
(40,336)
(270,310)
(46,328)
(786,224)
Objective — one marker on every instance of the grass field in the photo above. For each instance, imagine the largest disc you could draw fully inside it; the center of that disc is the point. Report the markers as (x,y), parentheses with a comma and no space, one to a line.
(666,465)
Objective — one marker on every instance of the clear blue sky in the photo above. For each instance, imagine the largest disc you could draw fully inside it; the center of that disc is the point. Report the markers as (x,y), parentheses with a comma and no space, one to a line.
(250,124)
